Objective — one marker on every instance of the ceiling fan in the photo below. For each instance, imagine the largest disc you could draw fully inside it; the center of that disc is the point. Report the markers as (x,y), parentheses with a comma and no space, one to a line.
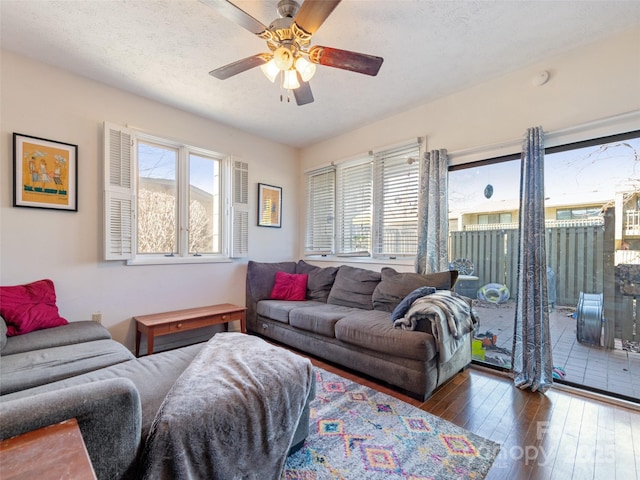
(290,55)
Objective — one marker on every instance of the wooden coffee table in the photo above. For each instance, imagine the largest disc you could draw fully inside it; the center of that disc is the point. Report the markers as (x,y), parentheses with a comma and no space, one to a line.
(164,323)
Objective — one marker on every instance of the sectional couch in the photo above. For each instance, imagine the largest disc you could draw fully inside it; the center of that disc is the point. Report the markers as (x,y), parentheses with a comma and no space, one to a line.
(343,315)
(76,370)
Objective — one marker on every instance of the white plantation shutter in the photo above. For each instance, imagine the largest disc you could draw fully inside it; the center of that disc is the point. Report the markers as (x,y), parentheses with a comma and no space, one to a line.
(321,202)
(240,210)
(354,208)
(119,194)
(396,183)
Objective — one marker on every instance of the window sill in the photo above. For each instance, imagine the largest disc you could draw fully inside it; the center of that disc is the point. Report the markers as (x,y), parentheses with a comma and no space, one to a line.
(407,261)
(156,260)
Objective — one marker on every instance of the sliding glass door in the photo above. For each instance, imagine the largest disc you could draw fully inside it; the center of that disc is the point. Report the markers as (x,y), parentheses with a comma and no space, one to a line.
(592,211)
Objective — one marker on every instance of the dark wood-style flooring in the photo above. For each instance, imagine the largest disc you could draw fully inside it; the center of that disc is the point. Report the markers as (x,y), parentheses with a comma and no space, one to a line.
(558,435)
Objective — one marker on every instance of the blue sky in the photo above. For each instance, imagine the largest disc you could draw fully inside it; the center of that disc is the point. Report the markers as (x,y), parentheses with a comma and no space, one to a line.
(583,175)
(160,162)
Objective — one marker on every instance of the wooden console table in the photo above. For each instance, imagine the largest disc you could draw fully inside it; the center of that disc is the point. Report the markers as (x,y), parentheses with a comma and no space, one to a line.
(53,452)
(157,324)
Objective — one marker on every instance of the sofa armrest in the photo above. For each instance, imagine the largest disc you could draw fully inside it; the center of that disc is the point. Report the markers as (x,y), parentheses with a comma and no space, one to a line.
(108,414)
(260,280)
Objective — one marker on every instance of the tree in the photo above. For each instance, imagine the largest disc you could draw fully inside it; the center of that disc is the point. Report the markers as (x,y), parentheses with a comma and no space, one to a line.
(157,224)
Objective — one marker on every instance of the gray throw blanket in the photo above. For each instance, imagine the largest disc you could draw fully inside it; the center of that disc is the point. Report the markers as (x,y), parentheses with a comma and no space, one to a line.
(232,413)
(451,318)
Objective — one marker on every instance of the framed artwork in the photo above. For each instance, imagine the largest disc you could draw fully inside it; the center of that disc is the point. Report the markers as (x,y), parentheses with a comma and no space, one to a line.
(269,206)
(45,173)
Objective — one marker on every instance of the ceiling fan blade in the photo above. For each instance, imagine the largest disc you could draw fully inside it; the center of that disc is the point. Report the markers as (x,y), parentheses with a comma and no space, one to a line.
(313,13)
(303,93)
(237,15)
(346,60)
(240,66)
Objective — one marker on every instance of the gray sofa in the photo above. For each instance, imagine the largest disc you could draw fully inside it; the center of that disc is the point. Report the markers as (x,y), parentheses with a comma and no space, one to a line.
(345,318)
(77,370)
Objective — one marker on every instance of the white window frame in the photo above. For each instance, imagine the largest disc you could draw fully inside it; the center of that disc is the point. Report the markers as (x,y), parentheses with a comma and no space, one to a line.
(120,178)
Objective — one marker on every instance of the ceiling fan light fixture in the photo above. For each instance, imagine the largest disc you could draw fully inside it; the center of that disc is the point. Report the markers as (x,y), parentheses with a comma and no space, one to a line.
(283,58)
(305,68)
(270,70)
(290,81)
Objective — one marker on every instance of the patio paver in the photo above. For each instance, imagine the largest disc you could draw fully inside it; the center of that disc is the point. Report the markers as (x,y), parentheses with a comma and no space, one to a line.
(613,370)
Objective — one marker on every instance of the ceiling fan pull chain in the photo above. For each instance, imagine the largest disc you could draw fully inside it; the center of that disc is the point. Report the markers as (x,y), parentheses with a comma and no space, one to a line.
(281,87)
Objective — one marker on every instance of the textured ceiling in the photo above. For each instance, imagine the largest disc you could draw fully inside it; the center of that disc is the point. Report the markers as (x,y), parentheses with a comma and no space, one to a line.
(164,49)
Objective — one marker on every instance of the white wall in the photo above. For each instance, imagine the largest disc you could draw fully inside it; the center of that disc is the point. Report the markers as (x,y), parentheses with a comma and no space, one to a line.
(41,101)
(586,84)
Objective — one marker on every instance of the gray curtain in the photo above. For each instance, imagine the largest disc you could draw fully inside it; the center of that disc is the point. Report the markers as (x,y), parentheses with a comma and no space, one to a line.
(531,359)
(433,221)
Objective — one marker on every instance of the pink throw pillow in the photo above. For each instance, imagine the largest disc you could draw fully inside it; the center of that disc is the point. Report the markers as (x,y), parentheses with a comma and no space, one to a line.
(29,307)
(289,286)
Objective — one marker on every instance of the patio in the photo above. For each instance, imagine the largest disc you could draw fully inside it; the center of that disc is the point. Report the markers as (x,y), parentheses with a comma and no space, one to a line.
(616,371)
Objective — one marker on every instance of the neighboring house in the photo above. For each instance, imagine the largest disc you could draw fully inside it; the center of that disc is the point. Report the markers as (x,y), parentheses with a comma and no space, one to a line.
(626,206)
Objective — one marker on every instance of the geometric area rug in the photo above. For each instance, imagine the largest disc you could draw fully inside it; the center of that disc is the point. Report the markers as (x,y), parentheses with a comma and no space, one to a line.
(358,433)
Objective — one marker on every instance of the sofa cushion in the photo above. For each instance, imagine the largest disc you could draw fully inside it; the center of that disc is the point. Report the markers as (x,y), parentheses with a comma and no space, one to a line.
(262,276)
(279,309)
(30,369)
(319,319)
(374,331)
(73,332)
(394,286)
(354,287)
(319,281)
(29,307)
(289,286)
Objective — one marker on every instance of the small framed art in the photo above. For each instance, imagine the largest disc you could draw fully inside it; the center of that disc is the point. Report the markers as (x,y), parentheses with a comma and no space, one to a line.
(45,173)
(269,206)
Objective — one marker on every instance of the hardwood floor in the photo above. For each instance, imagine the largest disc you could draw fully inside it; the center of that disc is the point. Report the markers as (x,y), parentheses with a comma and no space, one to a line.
(559,435)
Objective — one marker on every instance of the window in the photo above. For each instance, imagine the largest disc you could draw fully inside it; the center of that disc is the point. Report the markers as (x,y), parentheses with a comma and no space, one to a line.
(321,204)
(585,259)
(581,213)
(166,202)
(370,205)
(493,218)
(397,180)
(354,203)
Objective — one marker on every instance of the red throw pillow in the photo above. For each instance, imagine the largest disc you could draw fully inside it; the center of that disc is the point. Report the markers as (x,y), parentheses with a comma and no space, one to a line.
(289,286)
(30,307)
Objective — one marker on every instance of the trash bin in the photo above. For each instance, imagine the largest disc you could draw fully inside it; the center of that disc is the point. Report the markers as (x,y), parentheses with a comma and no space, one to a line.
(551,287)
(466,285)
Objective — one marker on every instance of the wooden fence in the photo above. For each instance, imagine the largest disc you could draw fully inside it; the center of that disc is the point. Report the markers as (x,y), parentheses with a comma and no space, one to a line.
(575,256)
(579,259)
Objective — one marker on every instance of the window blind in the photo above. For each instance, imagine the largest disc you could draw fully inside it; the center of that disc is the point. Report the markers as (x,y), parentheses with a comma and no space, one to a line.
(119,194)
(354,208)
(396,184)
(321,198)
(240,210)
